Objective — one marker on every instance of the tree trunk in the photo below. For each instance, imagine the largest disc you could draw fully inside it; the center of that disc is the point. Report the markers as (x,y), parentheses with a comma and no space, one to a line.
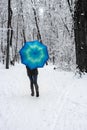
(38,30)
(23,30)
(36,22)
(80,31)
(8,35)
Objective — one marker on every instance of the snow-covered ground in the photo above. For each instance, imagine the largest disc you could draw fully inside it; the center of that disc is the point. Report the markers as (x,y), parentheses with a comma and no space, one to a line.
(62,104)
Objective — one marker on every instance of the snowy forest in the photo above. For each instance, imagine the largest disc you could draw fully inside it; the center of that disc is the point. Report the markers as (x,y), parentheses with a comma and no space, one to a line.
(59,24)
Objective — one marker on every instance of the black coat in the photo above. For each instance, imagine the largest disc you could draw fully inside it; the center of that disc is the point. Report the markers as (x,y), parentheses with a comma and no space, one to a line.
(31,72)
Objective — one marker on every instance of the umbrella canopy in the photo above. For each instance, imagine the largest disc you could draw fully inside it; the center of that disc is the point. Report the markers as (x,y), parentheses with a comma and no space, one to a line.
(34,54)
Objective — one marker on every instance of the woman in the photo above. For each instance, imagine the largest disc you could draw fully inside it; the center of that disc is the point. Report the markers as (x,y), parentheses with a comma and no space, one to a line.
(33,80)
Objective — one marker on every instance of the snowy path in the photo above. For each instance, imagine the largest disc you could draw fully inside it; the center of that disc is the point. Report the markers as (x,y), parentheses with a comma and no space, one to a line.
(62,104)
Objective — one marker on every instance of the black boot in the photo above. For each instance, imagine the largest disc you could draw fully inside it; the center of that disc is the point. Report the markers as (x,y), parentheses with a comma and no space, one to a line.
(37,94)
(37,90)
(32,93)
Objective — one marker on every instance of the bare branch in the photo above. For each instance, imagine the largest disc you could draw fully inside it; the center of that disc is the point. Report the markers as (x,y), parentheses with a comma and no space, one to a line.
(70,8)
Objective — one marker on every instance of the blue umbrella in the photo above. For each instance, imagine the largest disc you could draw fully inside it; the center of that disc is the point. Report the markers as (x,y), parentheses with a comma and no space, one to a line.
(34,54)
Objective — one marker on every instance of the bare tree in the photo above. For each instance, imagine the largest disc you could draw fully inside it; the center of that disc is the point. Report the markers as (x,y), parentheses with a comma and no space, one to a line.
(36,22)
(80,30)
(9,33)
(23,29)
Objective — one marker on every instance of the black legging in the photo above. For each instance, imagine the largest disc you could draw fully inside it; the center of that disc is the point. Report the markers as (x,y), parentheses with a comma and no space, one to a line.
(33,81)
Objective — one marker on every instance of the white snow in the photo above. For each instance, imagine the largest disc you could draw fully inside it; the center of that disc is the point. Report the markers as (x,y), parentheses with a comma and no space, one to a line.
(62,104)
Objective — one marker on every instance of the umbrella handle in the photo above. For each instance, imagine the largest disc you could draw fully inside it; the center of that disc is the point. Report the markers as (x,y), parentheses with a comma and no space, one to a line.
(46,63)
